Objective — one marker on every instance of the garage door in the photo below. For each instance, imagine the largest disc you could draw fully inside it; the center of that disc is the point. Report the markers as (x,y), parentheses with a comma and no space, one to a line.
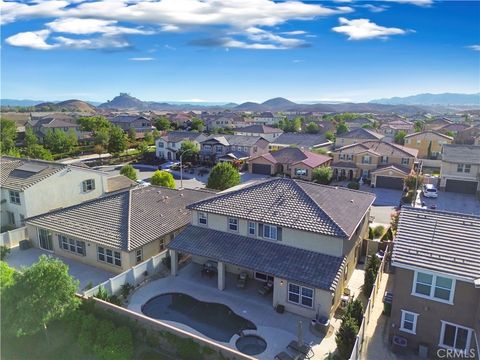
(261,169)
(459,186)
(389,182)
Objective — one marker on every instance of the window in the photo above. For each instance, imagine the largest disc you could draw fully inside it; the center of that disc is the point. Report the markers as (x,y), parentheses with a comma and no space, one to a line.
(233,224)
(465,168)
(207,147)
(433,287)
(109,256)
(45,238)
(455,337)
(88,185)
(300,295)
(366,159)
(11,217)
(161,145)
(202,218)
(384,159)
(218,148)
(162,244)
(252,228)
(301,172)
(138,256)
(15,197)
(405,161)
(263,277)
(71,245)
(409,322)
(341,156)
(255,149)
(270,232)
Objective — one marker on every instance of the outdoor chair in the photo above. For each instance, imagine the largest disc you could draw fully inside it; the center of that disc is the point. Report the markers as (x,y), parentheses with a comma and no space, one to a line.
(300,348)
(242,280)
(266,288)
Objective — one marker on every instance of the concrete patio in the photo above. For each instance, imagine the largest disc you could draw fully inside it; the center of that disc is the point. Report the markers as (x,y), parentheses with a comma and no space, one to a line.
(277,329)
(82,272)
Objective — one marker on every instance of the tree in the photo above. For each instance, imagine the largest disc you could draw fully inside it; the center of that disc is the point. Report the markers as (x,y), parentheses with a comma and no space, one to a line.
(371,271)
(93,123)
(355,311)
(394,217)
(30,138)
(330,136)
(132,135)
(413,181)
(418,125)
(117,142)
(143,149)
(8,135)
(6,276)
(148,138)
(163,178)
(102,137)
(342,128)
(223,176)
(400,137)
(312,128)
(322,175)
(129,172)
(197,124)
(346,337)
(155,134)
(42,293)
(190,150)
(59,142)
(162,123)
(37,151)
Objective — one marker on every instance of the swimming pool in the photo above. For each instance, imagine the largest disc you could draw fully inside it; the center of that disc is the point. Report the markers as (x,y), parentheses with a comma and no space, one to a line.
(217,321)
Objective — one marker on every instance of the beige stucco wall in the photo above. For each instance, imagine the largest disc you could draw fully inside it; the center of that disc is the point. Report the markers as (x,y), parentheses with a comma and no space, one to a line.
(421,142)
(387,173)
(449,171)
(16,209)
(462,312)
(261,160)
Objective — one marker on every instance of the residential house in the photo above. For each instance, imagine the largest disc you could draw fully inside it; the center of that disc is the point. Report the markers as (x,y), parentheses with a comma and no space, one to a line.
(168,146)
(231,148)
(292,162)
(436,292)
(222,120)
(267,132)
(305,141)
(453,129)
(436,123)
(359,122)
(34,187)
(267,118)
(392,128)
(357,135)
(384,164)
(117,231)
(138,122)
(460,169)
(303,238)
(429,143)
(180,119)
(41,126)
(467,136)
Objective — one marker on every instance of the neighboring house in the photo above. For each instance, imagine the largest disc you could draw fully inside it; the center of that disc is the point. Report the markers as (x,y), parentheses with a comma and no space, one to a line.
(359,122)
(267,132)
(267,118)
(231,148)
(452,128)
(117,231)
(138,122)
(302,237)
(34,187)
(436,123)
(41,126)
(392,128)
(355,136)
(180,119)
(167,147)
(428,143)
(222,120)
(293,162)
(436,293)
(468,135)
(460,169)
(385,164)
(305,141)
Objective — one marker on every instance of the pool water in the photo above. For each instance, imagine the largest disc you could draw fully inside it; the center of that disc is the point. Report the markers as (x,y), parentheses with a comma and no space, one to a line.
(217,321)
(251,344)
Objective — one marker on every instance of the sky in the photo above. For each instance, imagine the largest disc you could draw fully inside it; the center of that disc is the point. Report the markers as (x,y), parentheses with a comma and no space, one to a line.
(238,50)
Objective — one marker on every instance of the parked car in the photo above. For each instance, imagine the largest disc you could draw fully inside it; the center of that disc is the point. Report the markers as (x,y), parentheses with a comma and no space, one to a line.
(430,191)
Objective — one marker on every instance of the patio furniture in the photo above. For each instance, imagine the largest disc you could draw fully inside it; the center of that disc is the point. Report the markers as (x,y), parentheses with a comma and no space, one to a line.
(242,280)
(300,348)
(209,268)
(286,356)
(266,288)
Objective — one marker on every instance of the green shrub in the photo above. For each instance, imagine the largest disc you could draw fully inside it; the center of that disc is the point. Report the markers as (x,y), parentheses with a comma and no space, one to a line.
(371,271)
(126,289)
(102,294)
(86,336)
(355,311)
(322,175)
(378,231)
(353,185)
(4,251)
(346,337)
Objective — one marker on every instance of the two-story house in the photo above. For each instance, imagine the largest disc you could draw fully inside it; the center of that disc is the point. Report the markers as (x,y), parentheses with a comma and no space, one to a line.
(291,161)
(357,135)
(34,187)
(168,146)
(267,118)
(117,231)
(385,164)
(392,128)
(436,292)
(139,122)
(231,148)
(302,238)
(41,126)
(267,132)
(305,141)
(428,143)
(359,123)
(460,169)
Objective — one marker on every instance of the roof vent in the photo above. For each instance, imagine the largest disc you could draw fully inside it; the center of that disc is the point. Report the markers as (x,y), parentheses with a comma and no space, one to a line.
(181,194)
(351,201)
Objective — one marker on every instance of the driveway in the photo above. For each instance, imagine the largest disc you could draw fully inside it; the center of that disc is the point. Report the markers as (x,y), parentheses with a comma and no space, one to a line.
(384,197)
(454,202)
(82,272)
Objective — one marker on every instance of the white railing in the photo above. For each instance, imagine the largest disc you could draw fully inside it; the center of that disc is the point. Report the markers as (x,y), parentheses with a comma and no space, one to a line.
(134,276)
(12,238)
(357,347)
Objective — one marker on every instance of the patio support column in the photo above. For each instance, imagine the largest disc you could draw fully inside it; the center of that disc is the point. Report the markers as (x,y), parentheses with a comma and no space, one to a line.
(173,262)
(221,275)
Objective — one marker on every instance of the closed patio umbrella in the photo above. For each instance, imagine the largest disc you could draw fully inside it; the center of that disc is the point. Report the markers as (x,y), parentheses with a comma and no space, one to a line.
(300,333)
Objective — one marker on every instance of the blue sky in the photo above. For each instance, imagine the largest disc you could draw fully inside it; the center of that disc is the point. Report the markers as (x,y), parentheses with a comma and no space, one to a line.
(238,50)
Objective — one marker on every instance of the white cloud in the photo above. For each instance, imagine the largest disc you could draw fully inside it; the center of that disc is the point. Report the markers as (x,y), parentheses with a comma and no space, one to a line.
(92,26)
(142,59)
(374,8)
(31,39)
(14,10)
(413,2)
(93,43)
(362,29)
(295,32)
(474,47)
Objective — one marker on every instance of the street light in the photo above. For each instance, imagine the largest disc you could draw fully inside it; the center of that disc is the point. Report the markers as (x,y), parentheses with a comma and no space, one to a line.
(181,167)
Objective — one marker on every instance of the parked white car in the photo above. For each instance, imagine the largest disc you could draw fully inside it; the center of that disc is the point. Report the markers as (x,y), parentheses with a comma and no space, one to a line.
(430,191)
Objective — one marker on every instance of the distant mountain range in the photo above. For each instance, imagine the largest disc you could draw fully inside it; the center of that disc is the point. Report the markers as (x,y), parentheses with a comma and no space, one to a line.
(407,105)
(445,99)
